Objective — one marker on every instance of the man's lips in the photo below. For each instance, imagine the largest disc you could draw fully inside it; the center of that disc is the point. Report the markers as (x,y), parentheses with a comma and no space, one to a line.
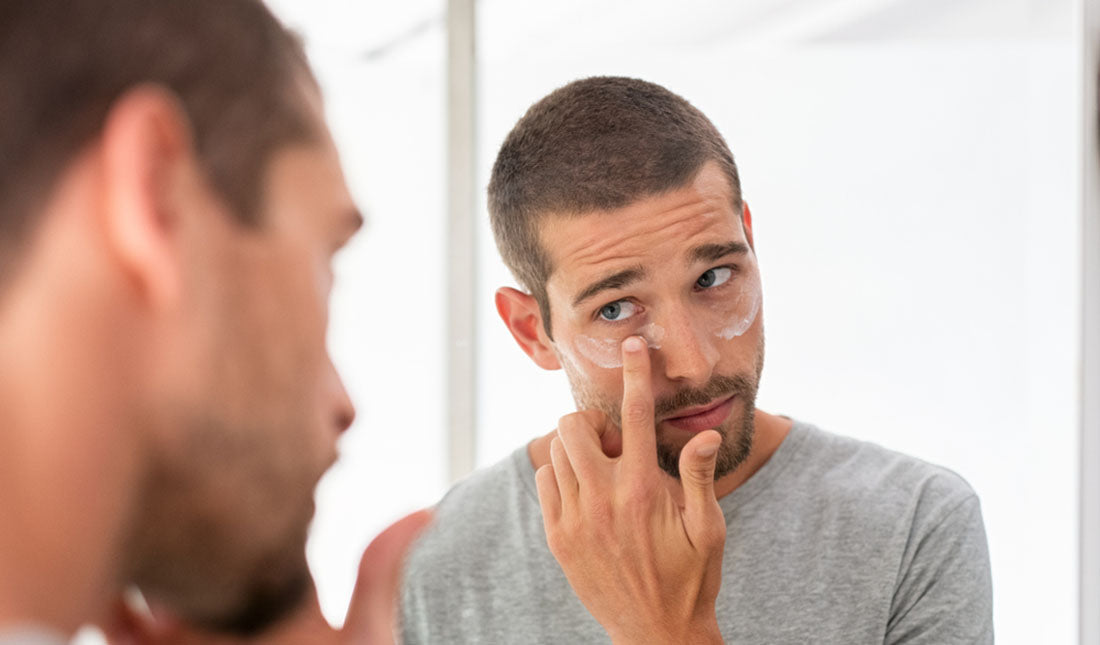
(704,417)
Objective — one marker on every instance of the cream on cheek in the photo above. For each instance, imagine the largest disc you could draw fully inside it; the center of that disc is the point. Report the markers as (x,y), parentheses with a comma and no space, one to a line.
(607,352)
(726,320)
(736,321)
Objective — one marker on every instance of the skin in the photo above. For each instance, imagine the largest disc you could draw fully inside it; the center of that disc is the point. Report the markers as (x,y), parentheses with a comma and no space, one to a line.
(667,540)
(167,398)
(656,234)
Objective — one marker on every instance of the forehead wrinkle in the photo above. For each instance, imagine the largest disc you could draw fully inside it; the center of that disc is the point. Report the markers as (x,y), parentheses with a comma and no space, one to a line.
(588,247)
(707,194)
(631,239)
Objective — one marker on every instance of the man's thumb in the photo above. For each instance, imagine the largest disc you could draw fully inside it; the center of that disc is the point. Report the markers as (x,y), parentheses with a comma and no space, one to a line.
(697,462)
(373,608)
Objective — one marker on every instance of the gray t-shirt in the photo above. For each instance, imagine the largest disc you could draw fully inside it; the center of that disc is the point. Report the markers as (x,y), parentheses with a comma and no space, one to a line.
(833,540)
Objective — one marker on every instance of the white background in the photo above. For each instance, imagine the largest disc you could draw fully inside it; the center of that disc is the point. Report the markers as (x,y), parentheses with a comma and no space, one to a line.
(911,170)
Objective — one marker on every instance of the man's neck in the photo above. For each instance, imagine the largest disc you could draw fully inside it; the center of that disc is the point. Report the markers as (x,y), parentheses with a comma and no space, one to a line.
(769,433)
(66,477)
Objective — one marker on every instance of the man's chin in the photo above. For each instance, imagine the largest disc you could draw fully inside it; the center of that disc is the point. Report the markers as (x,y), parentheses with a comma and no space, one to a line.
(268,597)
(737,435)
(234,584)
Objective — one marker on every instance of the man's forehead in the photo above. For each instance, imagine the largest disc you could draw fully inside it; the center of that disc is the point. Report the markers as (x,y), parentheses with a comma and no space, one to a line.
(669,229)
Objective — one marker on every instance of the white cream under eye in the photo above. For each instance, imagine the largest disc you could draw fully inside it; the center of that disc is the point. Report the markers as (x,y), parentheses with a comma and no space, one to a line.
(607,352)
(743,314)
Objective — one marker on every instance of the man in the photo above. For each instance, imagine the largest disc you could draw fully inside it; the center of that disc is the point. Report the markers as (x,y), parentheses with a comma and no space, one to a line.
(170,200)
(668,506)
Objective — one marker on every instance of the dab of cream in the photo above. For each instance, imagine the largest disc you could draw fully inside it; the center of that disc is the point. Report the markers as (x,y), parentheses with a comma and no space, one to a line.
(744,318)
(601,352)
(607,352)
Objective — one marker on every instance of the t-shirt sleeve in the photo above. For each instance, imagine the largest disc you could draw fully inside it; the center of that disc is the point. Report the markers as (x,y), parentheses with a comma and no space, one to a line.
(412,626)
(414,616)
(944,593)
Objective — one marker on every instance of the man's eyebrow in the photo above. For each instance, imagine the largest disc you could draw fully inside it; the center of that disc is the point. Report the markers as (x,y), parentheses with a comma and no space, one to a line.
(616,280)
(715,252)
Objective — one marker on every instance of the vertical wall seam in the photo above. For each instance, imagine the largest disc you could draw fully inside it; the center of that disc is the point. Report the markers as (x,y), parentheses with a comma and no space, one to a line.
(461,265)
(1089,547)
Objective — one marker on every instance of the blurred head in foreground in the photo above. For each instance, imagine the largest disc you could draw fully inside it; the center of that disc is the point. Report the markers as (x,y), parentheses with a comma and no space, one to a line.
(170,201)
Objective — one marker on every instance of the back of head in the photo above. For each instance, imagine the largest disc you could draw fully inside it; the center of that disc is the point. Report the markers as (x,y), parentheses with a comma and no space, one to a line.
(131,131)
(237,72)
(596,144)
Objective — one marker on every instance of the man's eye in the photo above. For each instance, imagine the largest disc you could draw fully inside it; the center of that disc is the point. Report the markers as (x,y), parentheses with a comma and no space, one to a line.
(714,277)
(618,310)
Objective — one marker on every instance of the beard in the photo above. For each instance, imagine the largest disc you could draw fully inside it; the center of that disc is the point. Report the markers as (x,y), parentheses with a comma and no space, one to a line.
(737,431)
(236,443)
(219,532)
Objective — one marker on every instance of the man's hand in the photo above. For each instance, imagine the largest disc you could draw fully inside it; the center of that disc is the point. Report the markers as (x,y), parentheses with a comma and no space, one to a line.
(370,618)
(641,551)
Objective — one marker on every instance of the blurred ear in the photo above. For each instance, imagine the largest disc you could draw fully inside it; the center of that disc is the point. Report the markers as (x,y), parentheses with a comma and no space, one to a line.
(520,313)
(148,175)
(746,221)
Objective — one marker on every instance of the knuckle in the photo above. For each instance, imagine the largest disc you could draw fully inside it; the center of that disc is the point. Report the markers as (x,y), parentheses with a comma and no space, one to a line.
(595,418)
(638,495)
(700,475)
(574,424)
(636,412)
(559,546)
(714,534)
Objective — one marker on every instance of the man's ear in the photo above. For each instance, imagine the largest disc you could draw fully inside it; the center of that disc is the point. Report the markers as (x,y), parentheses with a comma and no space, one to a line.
(746,222)
(520,313)
(148,167)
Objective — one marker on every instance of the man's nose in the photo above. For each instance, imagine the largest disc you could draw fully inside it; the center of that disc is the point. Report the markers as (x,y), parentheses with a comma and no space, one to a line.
(343,410)
(687,353)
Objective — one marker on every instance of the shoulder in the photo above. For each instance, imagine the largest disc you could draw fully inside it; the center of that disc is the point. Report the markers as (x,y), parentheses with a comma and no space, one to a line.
(481,498)
(923,519)
(480,531)
(887,483)
(473,519)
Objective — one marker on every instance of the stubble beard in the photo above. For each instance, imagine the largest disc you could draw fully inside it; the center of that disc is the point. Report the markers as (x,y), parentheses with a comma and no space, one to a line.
(737,432)
(191,552)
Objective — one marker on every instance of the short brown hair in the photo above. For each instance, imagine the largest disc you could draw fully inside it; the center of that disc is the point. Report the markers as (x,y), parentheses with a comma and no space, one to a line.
(596,144)
(237,72)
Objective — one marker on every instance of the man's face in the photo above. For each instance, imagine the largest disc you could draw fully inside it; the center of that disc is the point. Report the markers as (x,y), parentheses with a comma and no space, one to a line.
(678,270)
(256,410)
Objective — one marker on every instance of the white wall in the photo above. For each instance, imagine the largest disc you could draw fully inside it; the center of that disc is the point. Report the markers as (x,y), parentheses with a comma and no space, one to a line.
(382,72)
(911,170)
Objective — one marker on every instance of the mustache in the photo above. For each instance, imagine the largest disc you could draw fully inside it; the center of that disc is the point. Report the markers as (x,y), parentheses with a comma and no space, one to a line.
(719,386)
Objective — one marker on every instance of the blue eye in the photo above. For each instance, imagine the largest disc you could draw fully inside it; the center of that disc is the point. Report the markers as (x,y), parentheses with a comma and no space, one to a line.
(714,277)
(618,310)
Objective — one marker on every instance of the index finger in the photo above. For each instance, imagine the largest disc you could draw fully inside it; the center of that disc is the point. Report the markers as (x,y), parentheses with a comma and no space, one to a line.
(639,433)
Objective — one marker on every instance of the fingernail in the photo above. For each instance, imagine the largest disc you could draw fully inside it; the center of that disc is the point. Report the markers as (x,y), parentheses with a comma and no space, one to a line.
(707,451)
(633,344)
